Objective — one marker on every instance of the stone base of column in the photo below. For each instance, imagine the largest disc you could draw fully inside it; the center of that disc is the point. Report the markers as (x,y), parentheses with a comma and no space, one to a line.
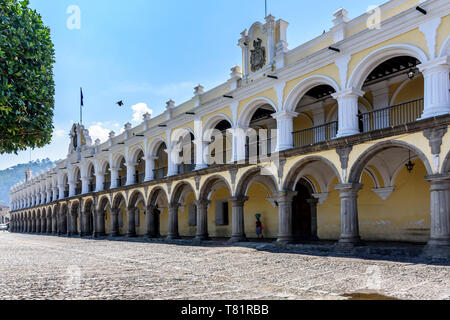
(173,237)
(238,238)
(202,238)
(285,239)
(131,235)
(438,242)
(436,252)
(152,236)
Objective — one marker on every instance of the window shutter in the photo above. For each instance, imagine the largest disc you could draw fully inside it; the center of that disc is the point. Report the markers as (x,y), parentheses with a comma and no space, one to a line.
(192,215)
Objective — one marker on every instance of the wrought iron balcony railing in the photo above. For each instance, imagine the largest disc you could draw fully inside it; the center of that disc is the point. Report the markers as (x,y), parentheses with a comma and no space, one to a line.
(399,114)
(316,134)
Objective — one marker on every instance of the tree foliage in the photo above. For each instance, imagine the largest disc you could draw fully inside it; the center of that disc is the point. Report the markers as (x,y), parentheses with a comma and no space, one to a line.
(26,78)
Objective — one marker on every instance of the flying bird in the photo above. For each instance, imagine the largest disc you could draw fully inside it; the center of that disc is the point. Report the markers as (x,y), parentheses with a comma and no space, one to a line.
(120,103)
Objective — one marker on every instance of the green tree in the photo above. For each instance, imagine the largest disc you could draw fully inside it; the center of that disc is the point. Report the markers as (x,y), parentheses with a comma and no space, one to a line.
(27,87)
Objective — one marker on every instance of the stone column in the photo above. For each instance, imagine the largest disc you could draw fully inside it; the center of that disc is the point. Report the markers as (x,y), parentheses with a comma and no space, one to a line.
(313,206)
(62,189)
(99,182)
(131,222)
(38,225)
(114,177)
(239,142)
(115,222)
(238,233)
(285,128)
(33,225)
(348,111)
(131,171)
(173,222)
(55,222)
(202,220)
(149,167)
(74,224)
(172,169)
(200,147)
(440,209)
(63,224)
(49,224)
(100,223)
(349,213)
(83,223)
(85,185)
(72,188)
(285,229)
(55,193)
(437,86)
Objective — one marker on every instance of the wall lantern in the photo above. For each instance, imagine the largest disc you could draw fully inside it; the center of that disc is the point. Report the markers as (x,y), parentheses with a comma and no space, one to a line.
(411,74)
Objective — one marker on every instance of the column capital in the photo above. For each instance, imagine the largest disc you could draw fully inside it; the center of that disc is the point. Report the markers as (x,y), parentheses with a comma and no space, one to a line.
(438,178)
(350,92)
(285,196)
(130,164)
(348,188)
(285,114)
(442,63)
(202,203)
(238,200)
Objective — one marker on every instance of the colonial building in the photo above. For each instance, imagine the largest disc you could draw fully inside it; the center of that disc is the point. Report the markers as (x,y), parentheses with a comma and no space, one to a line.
(345,137)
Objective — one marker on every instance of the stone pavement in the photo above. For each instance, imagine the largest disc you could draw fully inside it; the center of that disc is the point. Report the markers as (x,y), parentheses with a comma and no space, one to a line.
(47,267)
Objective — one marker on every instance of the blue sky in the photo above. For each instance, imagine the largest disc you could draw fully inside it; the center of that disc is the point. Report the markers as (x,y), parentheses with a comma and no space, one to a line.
(146,52)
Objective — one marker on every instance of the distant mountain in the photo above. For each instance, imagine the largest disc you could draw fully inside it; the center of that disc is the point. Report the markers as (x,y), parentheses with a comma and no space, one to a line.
(9,177)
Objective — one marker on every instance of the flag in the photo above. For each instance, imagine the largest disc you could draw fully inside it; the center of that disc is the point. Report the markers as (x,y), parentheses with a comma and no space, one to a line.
(81,91)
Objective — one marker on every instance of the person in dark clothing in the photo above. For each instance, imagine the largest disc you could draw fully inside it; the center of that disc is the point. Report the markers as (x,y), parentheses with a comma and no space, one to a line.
(259,227)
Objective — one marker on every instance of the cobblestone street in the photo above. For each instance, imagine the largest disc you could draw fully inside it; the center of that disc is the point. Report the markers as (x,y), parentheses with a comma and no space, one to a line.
(44,267)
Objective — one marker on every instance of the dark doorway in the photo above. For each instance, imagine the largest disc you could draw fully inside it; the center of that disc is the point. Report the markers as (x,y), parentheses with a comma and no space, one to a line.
(301,213)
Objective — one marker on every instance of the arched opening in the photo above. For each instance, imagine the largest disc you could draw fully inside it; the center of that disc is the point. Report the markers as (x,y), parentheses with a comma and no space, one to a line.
(217,192)
(219,150)
(159,205)
(103,219)
(186,147)
(119,225)
(316,205)
(261,140)
(140,167)
(91,177)
(77,180)
(260,190)
(107,172)
(304,213)
(184,196)
(394,203)
(65,182)
(137,203)
(395,90)
(314,107)
(88,219)
(75,223)
(122,174)
(161,162)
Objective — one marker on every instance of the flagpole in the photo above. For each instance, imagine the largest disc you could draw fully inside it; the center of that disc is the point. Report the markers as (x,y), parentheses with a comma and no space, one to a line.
(265,2)
(81,106)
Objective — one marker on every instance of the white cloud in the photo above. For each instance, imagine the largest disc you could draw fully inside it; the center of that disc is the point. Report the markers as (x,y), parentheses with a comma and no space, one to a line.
(98,131)
(139,110)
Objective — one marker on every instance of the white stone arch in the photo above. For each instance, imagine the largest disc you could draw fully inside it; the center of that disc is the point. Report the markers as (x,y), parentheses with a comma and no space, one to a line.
(377,57)
(117,159)
(154,146)
(212,122)
(250,108)
(180,133)
(133,153)
(73,172)
(101,166)
(445,50)
(299,91)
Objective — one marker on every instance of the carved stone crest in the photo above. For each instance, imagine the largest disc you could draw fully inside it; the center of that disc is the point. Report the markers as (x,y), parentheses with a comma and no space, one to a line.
(258,55)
